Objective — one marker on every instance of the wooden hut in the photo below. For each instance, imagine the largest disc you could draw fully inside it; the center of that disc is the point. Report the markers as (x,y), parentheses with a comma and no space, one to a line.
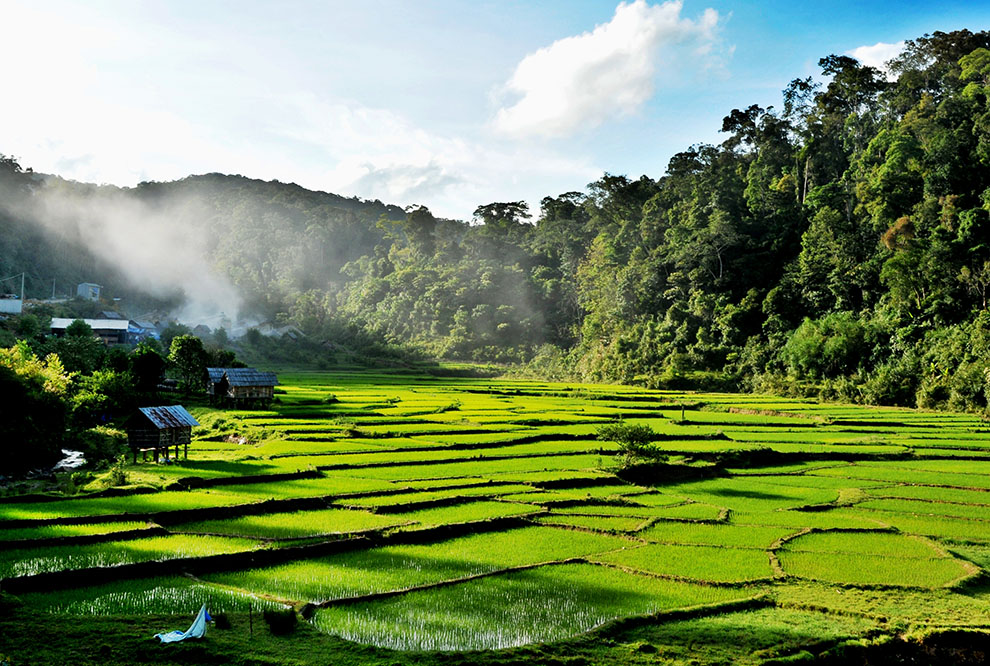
(158,429)
(241,386)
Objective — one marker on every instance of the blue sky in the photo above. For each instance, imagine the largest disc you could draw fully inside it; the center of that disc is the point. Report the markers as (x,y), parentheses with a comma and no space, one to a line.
(435,102)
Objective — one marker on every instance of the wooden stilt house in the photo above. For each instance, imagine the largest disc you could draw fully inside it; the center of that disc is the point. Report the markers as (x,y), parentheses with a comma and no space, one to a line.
(158,429)
(241,386)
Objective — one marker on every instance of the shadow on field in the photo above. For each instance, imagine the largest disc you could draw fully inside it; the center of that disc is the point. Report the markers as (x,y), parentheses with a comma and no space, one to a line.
(749,494)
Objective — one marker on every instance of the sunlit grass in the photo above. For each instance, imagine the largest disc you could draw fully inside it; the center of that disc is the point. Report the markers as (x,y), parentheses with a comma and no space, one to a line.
(533,606)
(401,567)
(709,563)
(26,562)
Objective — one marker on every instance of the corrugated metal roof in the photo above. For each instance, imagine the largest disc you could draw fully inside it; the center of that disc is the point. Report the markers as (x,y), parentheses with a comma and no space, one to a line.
(174,416)
(243,376)
(61,323)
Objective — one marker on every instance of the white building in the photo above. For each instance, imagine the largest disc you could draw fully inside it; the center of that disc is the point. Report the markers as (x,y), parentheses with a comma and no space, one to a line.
(89,291)
(11,305)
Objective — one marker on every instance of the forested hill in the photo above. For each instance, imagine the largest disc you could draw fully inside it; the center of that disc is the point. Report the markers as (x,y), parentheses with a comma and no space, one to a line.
(840,241)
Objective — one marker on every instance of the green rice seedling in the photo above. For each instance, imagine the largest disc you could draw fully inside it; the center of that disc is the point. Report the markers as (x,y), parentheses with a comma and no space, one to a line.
(150,596)
(474,438)
(577,477)
(889,544)
(534,606)
(298,447)
(749,638)
(411,429)
(865,448)
(656,499)
(537,496)
(948,466)
(464,513)
(898,474)
(863,569)
(594,493)
(506,469)
(716,534)
(30,561)
(689,511)
(82,529)
(777,471)
(967,453)
(978,554)
(320,487)
(597,523)
(818,482)
(617,510)
(401,567)
(105,506)
(294,525)
(727,418)
(799,519)
(398,500)
(934,526)
(942,607)
(923,508)
(749,495)
(436,484)
(709,563)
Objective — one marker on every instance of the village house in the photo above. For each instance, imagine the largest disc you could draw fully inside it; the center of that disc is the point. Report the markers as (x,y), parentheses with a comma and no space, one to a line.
(241,386)
(158,429)
(89,291)
(110,331)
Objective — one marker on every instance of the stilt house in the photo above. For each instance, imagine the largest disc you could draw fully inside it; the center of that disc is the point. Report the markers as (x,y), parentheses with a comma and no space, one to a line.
(158,429)
(241,386)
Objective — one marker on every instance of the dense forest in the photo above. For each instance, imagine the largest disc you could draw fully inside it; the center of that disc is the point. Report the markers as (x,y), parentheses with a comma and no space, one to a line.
(838,245)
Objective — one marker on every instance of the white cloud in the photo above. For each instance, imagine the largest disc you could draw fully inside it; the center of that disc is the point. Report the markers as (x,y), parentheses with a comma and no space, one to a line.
(579,82)
(379,154)
(876,55)
(101,98)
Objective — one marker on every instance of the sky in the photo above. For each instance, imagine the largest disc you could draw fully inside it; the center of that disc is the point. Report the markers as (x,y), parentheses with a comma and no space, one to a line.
(439,103)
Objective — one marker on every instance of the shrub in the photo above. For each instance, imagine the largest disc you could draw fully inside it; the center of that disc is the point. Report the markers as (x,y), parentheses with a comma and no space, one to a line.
(635,442)
(116,476)
(280,622)
(102,444)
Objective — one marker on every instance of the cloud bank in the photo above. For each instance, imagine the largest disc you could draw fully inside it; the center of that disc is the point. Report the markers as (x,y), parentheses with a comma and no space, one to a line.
(579,82)
(877,55)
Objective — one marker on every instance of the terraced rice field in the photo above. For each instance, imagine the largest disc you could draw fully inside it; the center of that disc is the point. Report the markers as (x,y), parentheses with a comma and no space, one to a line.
(414,513)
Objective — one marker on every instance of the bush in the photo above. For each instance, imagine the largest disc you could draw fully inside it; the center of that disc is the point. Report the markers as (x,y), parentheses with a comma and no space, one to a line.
(116,476)
(102,444)
(281,622)
(635,442)
(893,383)
(966,387)
(837,344)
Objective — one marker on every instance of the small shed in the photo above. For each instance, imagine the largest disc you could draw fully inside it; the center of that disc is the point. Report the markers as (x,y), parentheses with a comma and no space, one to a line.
(10,304)
(158,429)
(241,386)
(89,291)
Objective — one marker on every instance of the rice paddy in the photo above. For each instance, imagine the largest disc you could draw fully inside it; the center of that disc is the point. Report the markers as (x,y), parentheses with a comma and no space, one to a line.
(478,514)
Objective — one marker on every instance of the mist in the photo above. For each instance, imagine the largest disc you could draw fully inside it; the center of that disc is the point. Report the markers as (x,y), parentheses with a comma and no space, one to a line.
(159,247)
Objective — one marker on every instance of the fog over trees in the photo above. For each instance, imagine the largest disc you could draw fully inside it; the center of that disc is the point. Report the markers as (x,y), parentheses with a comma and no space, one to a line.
(837,244)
